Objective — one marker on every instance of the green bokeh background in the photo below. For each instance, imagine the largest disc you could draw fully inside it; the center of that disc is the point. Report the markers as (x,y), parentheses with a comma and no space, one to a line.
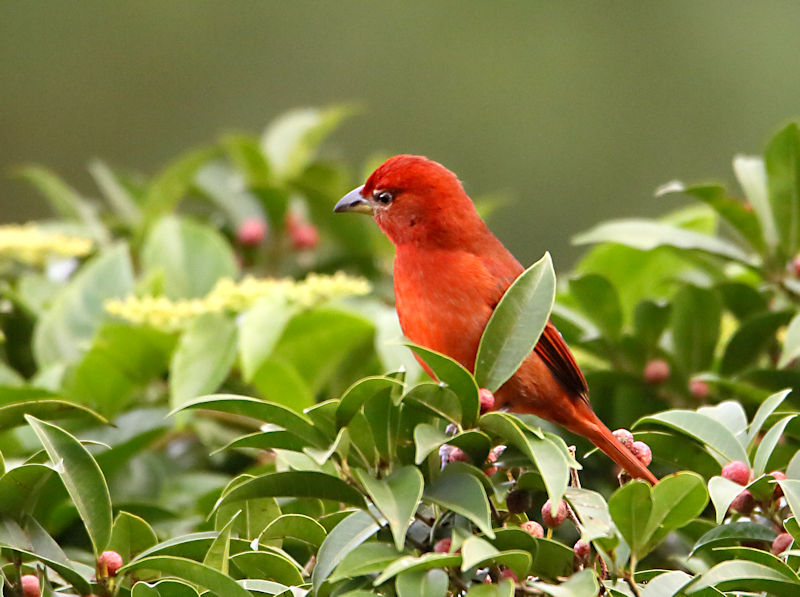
(576,111)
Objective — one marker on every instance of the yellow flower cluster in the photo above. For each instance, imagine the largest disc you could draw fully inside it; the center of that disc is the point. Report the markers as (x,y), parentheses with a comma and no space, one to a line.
(234,297)
(31,245)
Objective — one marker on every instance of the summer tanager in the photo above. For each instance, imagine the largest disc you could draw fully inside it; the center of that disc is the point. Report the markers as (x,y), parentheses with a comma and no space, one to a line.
(450,272)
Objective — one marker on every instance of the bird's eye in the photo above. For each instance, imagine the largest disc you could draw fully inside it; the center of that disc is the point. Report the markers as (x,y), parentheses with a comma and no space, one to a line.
(384,197)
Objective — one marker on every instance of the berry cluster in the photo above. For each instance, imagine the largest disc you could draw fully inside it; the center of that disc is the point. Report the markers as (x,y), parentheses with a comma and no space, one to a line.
(639,449)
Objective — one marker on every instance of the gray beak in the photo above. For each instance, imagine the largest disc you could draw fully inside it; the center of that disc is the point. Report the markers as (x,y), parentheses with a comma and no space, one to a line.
(354,202)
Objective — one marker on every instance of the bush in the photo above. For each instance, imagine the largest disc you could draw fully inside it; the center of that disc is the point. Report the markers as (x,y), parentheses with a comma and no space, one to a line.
(193,388)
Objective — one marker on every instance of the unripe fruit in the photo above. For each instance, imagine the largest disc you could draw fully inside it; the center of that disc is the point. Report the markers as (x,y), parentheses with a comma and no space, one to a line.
(781,543)
(778,476)
(624,437)
(30,585)
(698,388)
(457,455)
(486,399)
(109,563)
(642,451)
(656,372)
(304,236)
(743,503)
(581,551)
(442,546)
(533,528)
(518,501)
(554,520)
(251,232)
(737,471)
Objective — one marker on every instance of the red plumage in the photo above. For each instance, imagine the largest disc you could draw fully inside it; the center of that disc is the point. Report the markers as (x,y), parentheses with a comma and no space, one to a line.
(450,271)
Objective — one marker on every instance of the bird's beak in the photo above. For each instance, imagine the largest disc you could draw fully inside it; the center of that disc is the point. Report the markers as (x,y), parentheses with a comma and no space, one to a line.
(354,202)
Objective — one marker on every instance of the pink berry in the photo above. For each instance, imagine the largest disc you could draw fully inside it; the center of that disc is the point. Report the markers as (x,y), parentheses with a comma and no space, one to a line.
(778,476)
(304,236)
(743,503)
(581,551)
(442,546)
(486,399)
(457,455)
(656,372)
(506,573)
(518,501)
(109,563)
(533,528)
(30,585)
(642,451)
(252,232)
(737,471)
(698,388)
(554,520)
(781,543)
(624,437)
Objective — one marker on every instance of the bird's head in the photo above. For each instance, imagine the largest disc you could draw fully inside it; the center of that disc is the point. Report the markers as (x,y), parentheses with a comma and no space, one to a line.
(413,200)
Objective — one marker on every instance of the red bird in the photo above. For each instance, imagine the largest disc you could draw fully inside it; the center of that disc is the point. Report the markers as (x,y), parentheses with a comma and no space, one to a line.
(450,272)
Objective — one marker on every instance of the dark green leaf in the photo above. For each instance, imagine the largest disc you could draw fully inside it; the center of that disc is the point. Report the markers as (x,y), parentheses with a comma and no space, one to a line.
(218,583)
(397,497)
(269,565)
(695,325)
(598,299)
(171,184)
(427,561)
(735,575)
(753,337)
(782,161)
(734,532)
(463,494)
(131,535)
(357,395)
(631,507)
(297,526)
(436,398)
(341,540)
(295,484)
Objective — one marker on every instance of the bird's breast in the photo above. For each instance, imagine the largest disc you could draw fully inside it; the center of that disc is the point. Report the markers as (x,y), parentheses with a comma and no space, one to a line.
(444,299)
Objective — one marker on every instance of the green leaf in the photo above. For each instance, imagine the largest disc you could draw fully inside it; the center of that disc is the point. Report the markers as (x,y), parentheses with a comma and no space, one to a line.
(722,491)
(131,535)
(295,484)
(592,511)
(749,577)
(650,319)
(734,532)
(767,445)
(290,142)
(677,500)
(791,345)
(34,541)
(13,415)
(477,552)
(428,438)
(218,554)
(260,328)
(204,356)
(505,588)
(271,565)
(458,379)
(752,177)
(357,395)
(427,561)
(115,193)
(436,398)
(791,490)
(599,300)
(297,526)
(647,235)
(297,423)
(215,581)
(170,185)
(463,494)
(191,256)
(82,477)
(20,488)
(767,407)
(223,185)
(668,583)
(695,323)
(631,507)
(397,497)
(65,329)
(281,383)
(703,428)
(164,588)
(371,557)
(580,584)
(343,538)
(782,161)
(422,583)
(516,324)
(752,339)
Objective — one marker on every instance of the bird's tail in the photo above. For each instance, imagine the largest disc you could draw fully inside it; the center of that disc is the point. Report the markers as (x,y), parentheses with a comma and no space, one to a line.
(595,430)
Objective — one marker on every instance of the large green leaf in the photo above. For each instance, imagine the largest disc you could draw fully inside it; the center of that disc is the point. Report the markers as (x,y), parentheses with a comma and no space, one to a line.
(12,415)
(722,491)
(647,235)
(295,484)
(580,584)
(751,340)
(463,494)
(65,330)
(677,500)
(203,358)
(191,256)
(268,564)
(82,477)
(422,583)
(767,407)
(768,443)
(131,535)
(752,177)
(516,324)
(297,526)
(734,532)
(371,557)
(219,552)
(260,328)
(791,345)
(599,300)
(356,395)
(695,322)
(21,487)
(748,577)
(426,561)
(397,497)
(630,507)
(782,161)
(343,538)
(215,581)
(170,185)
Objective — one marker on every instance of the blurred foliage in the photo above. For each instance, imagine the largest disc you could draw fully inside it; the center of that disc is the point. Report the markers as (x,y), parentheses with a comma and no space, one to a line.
(207,389)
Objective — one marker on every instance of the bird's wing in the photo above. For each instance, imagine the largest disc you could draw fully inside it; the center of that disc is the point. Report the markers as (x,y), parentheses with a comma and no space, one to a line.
(551,347)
